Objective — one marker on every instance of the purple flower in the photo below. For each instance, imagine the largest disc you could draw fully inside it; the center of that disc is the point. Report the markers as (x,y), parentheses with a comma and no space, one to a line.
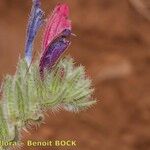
(35,22)
(56,38)
(54,51)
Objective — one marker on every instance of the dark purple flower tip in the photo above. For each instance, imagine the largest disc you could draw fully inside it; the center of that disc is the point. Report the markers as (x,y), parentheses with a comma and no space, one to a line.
(54,51)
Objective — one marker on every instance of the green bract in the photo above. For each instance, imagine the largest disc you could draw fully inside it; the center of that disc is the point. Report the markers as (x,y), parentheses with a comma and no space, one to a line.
(25,96)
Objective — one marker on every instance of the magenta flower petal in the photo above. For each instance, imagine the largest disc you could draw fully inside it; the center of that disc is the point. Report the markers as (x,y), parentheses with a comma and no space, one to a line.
(56,23)
(56,37)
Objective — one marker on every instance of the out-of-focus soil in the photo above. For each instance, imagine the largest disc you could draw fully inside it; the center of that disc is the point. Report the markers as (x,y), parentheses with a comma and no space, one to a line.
(113,43)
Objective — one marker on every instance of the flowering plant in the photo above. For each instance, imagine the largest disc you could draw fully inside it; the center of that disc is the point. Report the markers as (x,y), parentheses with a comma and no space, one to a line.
(45,83)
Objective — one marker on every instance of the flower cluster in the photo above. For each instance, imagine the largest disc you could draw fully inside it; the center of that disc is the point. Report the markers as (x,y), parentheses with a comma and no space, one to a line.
(49,82)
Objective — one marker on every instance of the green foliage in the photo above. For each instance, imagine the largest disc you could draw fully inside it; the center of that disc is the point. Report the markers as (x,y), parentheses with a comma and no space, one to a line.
(25,95)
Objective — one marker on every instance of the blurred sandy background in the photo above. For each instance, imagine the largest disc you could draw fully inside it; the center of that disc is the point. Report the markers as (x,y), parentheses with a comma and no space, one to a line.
(113,42)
